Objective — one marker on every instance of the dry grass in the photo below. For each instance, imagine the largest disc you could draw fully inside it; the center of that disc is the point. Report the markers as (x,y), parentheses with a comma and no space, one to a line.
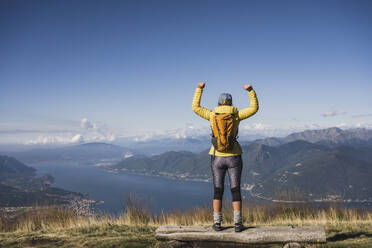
(138,213)
(57,226)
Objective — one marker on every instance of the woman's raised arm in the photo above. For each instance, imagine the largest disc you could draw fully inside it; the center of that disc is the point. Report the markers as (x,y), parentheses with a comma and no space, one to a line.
(201,111)
(253,107)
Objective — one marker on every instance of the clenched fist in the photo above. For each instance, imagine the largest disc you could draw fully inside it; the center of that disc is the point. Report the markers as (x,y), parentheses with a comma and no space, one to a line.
(201,85)
(247,87)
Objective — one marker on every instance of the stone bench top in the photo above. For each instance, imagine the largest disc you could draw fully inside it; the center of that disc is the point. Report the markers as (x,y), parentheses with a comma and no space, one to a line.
(250,235)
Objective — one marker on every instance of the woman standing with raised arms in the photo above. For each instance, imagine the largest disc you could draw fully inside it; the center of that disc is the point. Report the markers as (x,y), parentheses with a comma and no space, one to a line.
(225,150)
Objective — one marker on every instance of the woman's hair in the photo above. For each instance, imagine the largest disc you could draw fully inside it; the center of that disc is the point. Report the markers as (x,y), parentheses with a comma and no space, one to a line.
(225,99)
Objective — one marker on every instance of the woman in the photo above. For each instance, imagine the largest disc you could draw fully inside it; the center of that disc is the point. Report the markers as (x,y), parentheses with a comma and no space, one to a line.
(229,160)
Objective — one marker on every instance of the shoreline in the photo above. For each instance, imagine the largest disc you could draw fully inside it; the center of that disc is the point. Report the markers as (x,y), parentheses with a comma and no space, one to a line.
(248,188)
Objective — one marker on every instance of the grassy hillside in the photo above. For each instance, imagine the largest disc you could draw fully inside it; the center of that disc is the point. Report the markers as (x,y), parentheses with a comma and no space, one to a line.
(52,226)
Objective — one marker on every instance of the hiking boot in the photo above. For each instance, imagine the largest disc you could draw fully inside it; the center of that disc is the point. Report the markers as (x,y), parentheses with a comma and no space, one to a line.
(238,227)
(217,227)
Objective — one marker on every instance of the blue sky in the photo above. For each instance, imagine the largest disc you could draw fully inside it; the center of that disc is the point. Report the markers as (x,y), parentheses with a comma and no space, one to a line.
(101,70)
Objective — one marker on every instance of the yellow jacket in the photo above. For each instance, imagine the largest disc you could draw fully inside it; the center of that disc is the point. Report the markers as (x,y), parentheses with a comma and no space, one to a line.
(208,115)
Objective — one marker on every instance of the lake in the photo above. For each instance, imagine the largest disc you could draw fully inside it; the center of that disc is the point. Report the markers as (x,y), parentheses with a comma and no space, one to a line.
(159,193)
(164,194)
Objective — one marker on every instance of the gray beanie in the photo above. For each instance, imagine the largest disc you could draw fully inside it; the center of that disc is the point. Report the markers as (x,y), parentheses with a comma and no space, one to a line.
(225,99)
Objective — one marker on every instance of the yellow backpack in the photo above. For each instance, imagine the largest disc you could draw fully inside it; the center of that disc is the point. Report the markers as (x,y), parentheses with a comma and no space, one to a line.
(223,137)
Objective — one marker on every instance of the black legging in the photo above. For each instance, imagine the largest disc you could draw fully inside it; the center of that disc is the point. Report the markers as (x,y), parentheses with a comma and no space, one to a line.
(234,166)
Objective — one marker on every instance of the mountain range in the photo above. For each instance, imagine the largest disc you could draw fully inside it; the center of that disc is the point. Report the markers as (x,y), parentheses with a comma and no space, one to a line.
(330,137)
(319,165)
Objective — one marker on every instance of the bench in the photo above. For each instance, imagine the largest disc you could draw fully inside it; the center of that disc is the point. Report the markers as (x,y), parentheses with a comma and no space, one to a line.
(251,236)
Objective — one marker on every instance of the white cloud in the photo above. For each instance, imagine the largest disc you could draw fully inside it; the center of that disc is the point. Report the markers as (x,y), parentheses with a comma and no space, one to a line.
(189,131)
(246,130)
(266,130)
(361,115)
(89,132)
(254,126)
(77,139)
(94,131)
(143,138)
(54,140)
(333,112)
(192,131)
(84,123)
(355,125)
